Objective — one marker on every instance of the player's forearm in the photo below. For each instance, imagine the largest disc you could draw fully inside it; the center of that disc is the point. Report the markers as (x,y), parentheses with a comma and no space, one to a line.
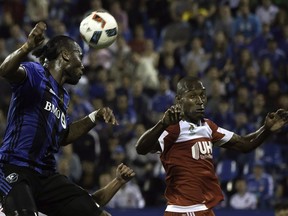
(78,129)
(253,140)
(12,62)
(104,195)
(147,142)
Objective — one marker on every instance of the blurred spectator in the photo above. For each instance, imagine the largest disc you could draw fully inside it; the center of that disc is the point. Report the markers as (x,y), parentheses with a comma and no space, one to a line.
(126,117)
(138,41)
(121,17)
(170,70)
(163,99)
(253,81)
(37,10)
(140,101)
(261,41)
(261,184)
(217,92)
(16,39)
(243,199)
(224,19)
(281,191)
(272,95)
(118,155)
(202,27)
(225,115)
(68,164)
(246,23)
(110,96)
(88,149)
(276,55)
(257,115)
(221,53)
(281,20)
(198,54)
(146,71)
(242,102)
(16,8)
(142,165)
(266,11)
(98,78)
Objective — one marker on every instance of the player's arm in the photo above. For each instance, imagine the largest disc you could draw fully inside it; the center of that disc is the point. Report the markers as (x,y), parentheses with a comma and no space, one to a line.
(148,142)
(84,125)
(10,68)
(104,195)
(273,122)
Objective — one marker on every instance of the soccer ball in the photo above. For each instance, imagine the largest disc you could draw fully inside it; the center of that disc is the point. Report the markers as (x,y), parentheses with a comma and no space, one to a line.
(99,29)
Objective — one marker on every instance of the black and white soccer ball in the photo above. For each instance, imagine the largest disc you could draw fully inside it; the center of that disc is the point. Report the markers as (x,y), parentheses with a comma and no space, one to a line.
(99,29)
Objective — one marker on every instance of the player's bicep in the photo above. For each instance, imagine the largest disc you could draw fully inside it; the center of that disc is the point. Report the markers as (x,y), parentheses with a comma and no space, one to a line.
(17,76)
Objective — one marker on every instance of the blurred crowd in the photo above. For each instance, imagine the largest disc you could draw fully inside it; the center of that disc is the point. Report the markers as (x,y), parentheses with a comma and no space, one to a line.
(239,48)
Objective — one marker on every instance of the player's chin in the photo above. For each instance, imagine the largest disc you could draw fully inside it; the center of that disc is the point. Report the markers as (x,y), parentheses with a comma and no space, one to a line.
(73,81)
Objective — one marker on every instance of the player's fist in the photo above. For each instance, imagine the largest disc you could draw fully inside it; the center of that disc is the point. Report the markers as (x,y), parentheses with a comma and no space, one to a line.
(36,37)
(171,116)
(124,173)
(107,115)
(276,120)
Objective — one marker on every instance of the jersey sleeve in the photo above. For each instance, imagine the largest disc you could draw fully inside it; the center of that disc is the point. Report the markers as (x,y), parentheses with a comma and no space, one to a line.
(220,135)
(169,136)
(35,73)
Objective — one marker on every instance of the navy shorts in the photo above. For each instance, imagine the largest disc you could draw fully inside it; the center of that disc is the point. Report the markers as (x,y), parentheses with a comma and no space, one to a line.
(53,195)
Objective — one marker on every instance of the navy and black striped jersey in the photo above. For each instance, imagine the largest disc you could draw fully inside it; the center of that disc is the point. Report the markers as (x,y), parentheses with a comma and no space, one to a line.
(37,121)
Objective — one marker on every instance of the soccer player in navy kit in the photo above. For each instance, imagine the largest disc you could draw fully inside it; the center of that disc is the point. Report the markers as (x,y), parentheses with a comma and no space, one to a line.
(38,125)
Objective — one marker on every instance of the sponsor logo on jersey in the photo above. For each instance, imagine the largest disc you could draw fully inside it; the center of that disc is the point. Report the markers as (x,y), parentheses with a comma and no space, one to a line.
(11,178)
(57,112)
(202,150)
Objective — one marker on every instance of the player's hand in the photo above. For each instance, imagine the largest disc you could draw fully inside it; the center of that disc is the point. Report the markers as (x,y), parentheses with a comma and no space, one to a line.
(276,120)
(36,36)
(106,114)
(124,173)
(171,116)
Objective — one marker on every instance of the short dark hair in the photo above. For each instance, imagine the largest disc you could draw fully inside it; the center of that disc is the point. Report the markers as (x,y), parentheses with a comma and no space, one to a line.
(52,48)
(183,83)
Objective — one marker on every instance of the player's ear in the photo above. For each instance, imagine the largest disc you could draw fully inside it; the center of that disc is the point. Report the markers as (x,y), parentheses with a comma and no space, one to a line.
(65,55)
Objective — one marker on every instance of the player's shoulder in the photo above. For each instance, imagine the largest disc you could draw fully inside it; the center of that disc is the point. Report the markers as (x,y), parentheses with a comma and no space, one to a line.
(209,123)
(31,65)
(33,68)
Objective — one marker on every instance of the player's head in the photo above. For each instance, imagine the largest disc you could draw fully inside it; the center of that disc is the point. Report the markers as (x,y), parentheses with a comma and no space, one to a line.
(66,54)
(281,209)
(191,96)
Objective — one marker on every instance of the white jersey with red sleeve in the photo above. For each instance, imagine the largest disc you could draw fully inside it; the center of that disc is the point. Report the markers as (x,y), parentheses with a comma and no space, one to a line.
(192,184)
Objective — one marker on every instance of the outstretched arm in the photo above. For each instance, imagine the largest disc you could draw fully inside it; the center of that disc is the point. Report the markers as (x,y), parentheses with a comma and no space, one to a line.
(148,142)
(84,125)
(273,122)
(123,175)
(10,69)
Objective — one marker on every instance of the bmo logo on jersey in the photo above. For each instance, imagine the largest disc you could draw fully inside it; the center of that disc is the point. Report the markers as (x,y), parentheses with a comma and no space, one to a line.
(202,150)
(57,112)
